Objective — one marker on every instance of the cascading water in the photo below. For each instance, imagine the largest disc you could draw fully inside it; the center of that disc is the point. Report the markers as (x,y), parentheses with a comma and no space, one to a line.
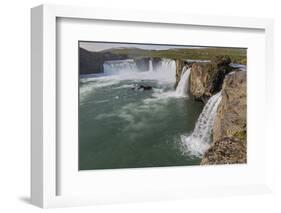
(150,65)
(119,66)
(199,141)
(164,71)
(166,65)
(182,88)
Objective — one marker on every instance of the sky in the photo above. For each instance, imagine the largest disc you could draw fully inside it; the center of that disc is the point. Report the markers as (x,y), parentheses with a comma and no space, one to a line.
(99,46)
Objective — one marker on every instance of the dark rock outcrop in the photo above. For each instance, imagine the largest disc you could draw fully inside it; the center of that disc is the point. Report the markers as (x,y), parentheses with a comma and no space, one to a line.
(206,78)
(142,87)
(230,125)
(179,65)
(90,62)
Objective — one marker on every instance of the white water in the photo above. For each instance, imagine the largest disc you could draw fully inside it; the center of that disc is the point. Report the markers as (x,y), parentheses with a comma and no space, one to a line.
(164,71)
(118,70)
(199,141)
(150,65)
(119,66)
(182,88)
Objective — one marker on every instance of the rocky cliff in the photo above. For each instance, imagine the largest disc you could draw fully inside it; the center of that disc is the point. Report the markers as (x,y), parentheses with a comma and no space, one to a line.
(179,66)
(230,125)
(206,78)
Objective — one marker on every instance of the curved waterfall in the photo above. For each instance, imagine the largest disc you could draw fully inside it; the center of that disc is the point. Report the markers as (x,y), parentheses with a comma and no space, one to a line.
(199,141)
(119,66)
(166,65)
(182,88)
(164,70)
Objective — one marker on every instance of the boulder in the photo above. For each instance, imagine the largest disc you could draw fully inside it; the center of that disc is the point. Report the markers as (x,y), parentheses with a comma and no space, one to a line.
(142,87)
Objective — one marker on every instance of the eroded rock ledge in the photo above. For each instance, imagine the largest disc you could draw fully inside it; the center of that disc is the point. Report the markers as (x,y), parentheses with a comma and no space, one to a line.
(206,78)
(230,126)
(225,151)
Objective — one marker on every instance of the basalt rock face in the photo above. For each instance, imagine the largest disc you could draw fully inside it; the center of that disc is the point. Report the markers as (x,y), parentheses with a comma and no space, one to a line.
(206,78)
(179,65)
(231,114)
(230,125)
(226,151)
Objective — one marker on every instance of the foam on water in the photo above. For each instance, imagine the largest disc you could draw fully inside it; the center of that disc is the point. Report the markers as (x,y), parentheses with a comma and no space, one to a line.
(182,88)
(119,70)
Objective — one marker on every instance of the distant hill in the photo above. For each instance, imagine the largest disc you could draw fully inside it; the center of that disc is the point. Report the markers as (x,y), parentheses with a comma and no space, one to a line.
(92,62)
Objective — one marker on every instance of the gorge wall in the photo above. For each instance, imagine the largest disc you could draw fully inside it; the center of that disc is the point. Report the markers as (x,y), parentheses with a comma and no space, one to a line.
(179,67)
(230,125)
(229,132)
(206,78)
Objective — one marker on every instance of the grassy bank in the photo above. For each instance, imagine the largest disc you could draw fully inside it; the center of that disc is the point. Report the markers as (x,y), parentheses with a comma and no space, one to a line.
(237,55)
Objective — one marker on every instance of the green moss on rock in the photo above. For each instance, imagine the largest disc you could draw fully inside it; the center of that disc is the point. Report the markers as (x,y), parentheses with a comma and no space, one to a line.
(241,135)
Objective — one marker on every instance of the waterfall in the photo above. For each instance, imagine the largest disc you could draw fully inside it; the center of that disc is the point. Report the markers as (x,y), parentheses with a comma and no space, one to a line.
(163,71)
(119,66)
(166,70)
(182,88)
(166,65)
(150,65)
(199,141)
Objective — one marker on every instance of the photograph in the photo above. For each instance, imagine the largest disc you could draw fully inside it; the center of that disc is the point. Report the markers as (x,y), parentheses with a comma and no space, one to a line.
(160,105)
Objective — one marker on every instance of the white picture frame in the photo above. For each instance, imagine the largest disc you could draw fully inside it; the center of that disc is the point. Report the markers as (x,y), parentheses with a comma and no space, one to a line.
(44,155)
